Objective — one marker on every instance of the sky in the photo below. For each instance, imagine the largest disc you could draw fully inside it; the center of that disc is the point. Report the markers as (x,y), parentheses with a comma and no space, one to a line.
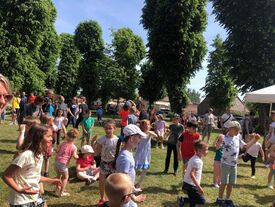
(115,14)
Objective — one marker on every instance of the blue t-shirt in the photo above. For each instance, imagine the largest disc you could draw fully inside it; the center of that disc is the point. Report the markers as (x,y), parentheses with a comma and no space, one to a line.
(125,163)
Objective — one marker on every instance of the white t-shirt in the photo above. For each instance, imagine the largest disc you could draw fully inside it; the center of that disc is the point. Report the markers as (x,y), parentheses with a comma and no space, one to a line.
(194,162)
(254,149)
(28,175)
(272,137)
(228,118)
(108,148)
(192,119)
(58,121)
(231,147)
(209,119)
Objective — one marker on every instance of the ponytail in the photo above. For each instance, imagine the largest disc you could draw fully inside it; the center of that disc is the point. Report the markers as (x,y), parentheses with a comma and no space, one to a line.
(118,146)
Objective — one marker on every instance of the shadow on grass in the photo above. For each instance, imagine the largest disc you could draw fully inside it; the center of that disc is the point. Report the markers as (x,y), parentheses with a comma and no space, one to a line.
(248,165)
(7,141)
(3,151)
(264,199)
(158,173)
(155,189)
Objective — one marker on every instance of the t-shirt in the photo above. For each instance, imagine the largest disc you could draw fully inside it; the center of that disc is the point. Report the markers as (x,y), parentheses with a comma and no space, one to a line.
(175,132)
(108,148)
(16,102)
(58,121)
(82,107)
(88,122)
(64,107)
(227,118)
(209,119)
(159,125)
(123,115)
(125,163)
(192,119)
(88,162)
(254,149)
(65,152)
(31,99)
(187,144)
(194,162)
(74,109)
(143,115)
(28,174)
(231,147)
(132,119)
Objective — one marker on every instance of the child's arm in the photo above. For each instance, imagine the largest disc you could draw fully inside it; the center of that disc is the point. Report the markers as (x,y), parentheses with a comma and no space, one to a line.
(179,150)
(98,148)
(262,153)
(83,128)
(55,181)
(254,139)
(75,155)
(64,128)
(193,177)
(20,139)
(8,178)
(139,199)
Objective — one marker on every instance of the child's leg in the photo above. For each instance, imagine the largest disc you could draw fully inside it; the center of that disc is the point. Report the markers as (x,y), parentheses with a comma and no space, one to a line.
(64,177)
(246,157)
(96,173)
(216,172)
(228,191)
(102,179)
(168,156)
(270,175)
(141,178)
(58,134)
(176,162)
(83,176)
(252,164)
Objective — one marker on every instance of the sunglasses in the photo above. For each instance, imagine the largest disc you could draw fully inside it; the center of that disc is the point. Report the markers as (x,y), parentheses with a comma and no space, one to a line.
(6,97)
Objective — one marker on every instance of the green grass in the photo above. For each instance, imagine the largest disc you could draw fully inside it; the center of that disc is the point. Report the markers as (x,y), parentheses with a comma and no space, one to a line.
(161,190)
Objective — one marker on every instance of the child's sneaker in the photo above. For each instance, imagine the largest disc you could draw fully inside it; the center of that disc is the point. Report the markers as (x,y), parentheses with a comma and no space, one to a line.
(270,186)
(161,146)
(216,185)
(253,177)
(180,200)
(219,201)
(228,203)
(64,194)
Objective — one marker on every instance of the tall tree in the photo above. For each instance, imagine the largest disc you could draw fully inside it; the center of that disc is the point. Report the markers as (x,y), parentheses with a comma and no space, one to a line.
(88,39)
(23,26)
(128,51)
(193,95)
(151,88)
(176,44)
(68,68)
(250,42)
(219,86)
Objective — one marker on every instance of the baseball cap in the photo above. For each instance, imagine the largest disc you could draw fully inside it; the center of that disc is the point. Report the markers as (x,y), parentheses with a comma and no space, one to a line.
(132,129)
(176,116)
(87,149)
(234,124)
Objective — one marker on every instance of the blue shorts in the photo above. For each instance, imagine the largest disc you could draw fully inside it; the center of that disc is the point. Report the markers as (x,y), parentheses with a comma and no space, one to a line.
(228,174)
(60,167)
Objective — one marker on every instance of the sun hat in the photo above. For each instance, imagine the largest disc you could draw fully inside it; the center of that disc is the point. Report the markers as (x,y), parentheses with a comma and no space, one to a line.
(234,124)
(132,129)
(87,149)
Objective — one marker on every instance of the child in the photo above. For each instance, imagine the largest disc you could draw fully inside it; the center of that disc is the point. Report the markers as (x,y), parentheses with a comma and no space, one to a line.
(132,118)
(186,142)
(64,152)
(143,152)
(27,123)
(192,177)
(59,121)
(124,113)
(125,162)
(217,160)
(106,146)
(85,165)
(24,173)
(118,185)
(159,128)
(252,154)
(270,158)
(47,119)
(87,126)
(231,145)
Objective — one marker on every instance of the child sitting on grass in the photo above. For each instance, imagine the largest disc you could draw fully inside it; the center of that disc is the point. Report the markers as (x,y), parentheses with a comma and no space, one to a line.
(192,177)
(85,165)
(118,188)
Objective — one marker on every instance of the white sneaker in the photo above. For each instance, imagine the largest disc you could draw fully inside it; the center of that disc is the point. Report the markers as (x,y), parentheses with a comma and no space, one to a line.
(64,194)
(270,186)
(216,185)
(253,177)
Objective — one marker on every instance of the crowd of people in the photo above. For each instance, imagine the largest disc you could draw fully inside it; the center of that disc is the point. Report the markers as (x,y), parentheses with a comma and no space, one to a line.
(114,160)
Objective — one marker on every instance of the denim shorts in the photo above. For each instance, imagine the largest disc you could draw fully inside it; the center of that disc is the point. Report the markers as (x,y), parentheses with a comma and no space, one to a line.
(228,174)
(60,167)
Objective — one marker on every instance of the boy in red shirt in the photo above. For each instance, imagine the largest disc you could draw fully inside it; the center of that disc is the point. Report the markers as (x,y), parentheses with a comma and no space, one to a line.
(186,145)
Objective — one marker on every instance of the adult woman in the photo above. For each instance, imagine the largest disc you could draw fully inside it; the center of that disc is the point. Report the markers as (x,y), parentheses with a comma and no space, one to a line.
(5,92)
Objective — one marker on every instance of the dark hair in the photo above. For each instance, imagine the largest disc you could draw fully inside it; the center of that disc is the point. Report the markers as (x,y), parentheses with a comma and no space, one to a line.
(111,122)
(39,100)
(121,139)
(87,111)
(191,125)
(34,138)
(200,144)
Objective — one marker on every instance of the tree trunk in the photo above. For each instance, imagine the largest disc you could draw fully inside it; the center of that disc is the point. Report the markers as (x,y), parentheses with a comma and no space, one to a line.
(177,98)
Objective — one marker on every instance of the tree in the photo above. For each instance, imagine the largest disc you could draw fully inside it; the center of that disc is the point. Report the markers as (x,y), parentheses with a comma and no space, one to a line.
(151,88)
(128,51)
(250,42)
(193,95)
(68,68)
(219,86)
(88,39)
(176,44)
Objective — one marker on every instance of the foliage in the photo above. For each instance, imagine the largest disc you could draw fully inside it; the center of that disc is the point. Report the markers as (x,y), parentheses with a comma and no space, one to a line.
(24,27)
(68,68)
(128,50)
(193,95)
(219,86)
(88,39)
(176,44)
(151,88)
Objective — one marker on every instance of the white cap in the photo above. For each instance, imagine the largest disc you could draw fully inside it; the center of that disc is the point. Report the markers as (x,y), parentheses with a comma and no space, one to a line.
(132,129)
(234,124)
(87,149)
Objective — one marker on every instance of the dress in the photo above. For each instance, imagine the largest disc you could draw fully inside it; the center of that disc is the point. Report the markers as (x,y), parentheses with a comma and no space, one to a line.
(143,154)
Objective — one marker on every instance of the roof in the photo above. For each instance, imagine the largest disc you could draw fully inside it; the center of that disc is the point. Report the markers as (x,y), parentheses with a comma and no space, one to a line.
(264,95)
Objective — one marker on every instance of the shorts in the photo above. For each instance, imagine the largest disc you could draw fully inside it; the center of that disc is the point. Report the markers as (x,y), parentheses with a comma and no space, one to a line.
(228,174)
(60,167)
(86,137)
(39,203)
(207,129)
(106,168)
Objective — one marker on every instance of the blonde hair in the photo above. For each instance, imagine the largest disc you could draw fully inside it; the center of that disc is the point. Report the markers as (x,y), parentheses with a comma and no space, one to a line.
(5,83)
(31,120)
(143,124)
(118,185)
(45,119)
(73,133)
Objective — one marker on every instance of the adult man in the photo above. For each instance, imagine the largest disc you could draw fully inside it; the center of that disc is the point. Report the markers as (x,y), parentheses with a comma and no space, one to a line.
(225,119)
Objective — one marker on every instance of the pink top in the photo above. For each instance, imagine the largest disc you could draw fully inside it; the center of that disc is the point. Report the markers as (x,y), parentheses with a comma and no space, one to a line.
(64,152)
(159,125)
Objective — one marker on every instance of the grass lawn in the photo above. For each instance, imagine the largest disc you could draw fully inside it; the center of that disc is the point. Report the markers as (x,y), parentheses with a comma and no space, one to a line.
(161,190)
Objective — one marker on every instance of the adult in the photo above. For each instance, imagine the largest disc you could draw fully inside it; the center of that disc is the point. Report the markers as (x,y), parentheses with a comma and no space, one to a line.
(248,125)
(48,100)
(208,124)
(62,105)
(23,103)
(225,119)
(82,108)
(5,93)
(31,98)
(35,108)
(15,108)
(192,118)
(72,112)
(143,115)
